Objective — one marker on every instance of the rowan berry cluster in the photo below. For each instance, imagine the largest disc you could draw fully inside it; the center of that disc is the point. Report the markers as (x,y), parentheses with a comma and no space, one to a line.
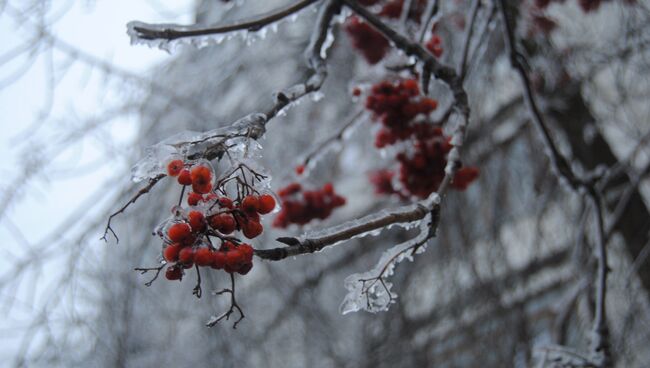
(301,206)
(396,106)
(370,42)
(212,215)
(405,117)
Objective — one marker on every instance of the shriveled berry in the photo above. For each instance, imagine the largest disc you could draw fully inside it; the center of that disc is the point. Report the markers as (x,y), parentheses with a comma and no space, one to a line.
(266,204)
(174,167)
(171,252)
(196,220)
(203,257)
(179,232)
(174,273)
(184,177)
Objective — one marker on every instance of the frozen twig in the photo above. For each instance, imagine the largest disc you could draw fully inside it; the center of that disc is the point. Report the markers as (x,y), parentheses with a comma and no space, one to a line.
(233,306)
(297,246)
(144,270)
(141,192)
(172,31)
(462,65)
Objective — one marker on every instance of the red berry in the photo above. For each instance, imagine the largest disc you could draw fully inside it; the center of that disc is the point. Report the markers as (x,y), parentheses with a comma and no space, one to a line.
(224,223)
(174,273)
(174,167)
(202,188)
(203,257)
(252,229)
(218,260)
(356,91)
(186,255)
(250,204)
(184,177)
(300,169)
(179,232)
(194,198)
(196,220)
(266,204)
(328,189)
(235,259)
(247,251)
(201,175)
(171,252)
(245,268)
(225,202)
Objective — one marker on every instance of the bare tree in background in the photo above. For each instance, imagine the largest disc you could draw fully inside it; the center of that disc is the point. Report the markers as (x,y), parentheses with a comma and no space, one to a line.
(543,260)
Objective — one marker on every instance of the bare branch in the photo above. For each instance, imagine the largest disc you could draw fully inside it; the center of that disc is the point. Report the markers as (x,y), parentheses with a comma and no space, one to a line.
(141,192)
(233,306)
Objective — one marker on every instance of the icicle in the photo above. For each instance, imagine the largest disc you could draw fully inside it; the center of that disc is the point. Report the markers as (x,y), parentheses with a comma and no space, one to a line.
(369,290)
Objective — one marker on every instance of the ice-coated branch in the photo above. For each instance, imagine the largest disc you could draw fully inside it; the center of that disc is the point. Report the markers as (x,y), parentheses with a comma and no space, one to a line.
(600,348)
(174,31)
(430,12)
(365,225)
(518,63)
(462,65)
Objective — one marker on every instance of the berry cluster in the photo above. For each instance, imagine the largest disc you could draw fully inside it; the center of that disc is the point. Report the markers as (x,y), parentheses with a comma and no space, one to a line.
(405,117)
(396,106)
(301,206)
(370,42)
(188,238)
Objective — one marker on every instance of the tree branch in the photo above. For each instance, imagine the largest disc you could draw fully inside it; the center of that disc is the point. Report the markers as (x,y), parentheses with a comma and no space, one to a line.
(174,31)
(348,230)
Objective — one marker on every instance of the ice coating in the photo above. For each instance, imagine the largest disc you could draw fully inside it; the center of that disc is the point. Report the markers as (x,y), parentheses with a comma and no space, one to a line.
(249,35)
(320,233)
(433,199)
(236,137)
(369,290)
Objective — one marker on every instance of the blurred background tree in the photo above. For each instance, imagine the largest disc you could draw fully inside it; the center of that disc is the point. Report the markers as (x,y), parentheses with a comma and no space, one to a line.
(510,279)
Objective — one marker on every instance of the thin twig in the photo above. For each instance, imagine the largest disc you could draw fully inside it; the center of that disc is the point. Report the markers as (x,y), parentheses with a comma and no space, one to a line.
(144,270)
(462,65)
(152,182)
(233,306)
